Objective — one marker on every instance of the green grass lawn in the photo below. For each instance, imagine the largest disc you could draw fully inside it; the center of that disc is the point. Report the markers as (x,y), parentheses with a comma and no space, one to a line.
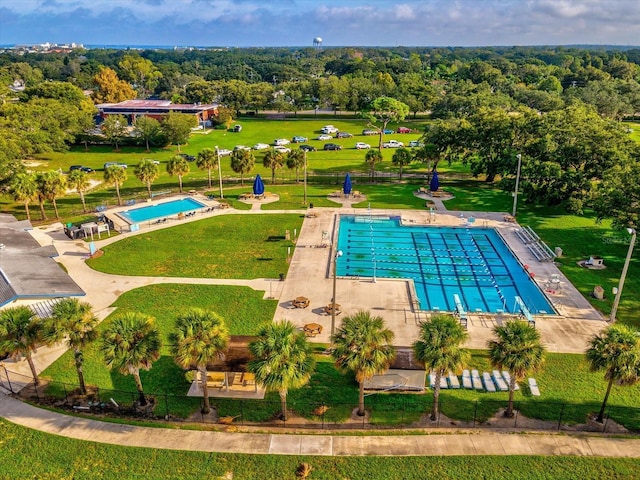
(28,454)
(226,246)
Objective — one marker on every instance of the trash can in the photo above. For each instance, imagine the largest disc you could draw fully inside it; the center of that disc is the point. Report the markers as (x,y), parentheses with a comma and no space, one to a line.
(282,277)
(311,205)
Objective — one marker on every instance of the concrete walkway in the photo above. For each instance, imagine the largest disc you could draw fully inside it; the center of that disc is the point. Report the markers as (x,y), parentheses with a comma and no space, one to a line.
(451,443)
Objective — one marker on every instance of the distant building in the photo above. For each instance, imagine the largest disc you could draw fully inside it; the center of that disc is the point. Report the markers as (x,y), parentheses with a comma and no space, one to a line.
(157,109)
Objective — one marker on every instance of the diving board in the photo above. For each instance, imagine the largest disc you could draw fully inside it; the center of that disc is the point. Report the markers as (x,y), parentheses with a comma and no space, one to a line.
(460,311)
(519,304)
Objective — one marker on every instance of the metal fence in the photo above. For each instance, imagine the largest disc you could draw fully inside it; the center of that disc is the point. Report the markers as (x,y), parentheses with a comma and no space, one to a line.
(382,411)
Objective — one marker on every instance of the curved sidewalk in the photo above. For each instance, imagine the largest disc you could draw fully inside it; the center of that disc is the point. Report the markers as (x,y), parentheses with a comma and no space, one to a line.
(449,444)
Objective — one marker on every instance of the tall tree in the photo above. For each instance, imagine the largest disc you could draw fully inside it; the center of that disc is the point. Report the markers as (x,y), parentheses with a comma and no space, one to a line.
(177,127)
(200,337)
(617,352)
(21,332)
(401,158)
(618,194)
(382,111)
(207,159)
(23,188)
(116,175)
(74,322)
(517,350)
(114,129)
(363,346)
(147,129)
(141,72)
(51,184)
(242,162)
(178,166)
(439,348)
(147,172)
(79,180)
(131,342)
(295,160)
(273,160)
(110,89)
(283,359)
(372,158)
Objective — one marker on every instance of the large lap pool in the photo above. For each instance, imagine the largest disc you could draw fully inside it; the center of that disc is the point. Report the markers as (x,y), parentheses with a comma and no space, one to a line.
(160,210)
(473,263)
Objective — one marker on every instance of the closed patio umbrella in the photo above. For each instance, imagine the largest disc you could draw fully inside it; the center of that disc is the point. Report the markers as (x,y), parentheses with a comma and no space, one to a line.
(435,182)
(258,186)
(346,186)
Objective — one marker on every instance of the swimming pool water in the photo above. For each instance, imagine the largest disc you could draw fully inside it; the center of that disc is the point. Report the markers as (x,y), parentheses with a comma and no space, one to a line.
(473,263)
(160,210)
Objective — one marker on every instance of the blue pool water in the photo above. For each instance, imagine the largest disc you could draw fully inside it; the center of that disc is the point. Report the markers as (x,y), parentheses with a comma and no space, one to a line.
(473,263)
(160,210)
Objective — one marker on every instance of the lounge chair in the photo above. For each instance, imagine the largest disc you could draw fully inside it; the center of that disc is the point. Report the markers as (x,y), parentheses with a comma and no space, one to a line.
(507,378)
(488,383)
(453,381)
(475,379)
(499,381)
(533,387)
(466,380)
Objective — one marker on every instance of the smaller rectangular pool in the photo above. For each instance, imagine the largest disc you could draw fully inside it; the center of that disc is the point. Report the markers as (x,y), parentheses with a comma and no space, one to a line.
(160,210)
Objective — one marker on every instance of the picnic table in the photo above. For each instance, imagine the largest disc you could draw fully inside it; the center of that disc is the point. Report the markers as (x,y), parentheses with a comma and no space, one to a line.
(300,302)
(332,307)
(312,329)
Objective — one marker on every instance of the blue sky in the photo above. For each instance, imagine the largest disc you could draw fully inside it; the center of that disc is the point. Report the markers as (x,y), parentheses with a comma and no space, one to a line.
(338,22)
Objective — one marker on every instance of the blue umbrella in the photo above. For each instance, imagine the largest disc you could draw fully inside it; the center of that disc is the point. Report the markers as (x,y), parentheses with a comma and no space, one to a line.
(346,186)
(435,182)
(258,186)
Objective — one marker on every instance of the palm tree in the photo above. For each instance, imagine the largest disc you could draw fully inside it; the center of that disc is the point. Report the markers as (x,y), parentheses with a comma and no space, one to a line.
(74,321)
(273,160)
(363,345)
(50,185)
(402,157)
(242,162)
(179,166)
(207,159)
(116,175)
(283,359)
(80,181)
(24,189)
(439,349)
(372,158)
(21,331)
(200,337)
(147,171)
(617,352)
(517,350)
(295,159)
(129,343)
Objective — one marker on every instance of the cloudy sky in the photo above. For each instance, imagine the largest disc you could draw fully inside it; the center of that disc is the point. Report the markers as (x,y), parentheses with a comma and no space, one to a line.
(337,22)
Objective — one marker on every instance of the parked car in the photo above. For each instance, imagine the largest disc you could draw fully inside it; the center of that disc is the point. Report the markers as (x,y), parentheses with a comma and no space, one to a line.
(223,152)
(416,143)
(116,164)
(369,132)
(392,144)
(237,128)
(324,137)
(332,146)
(308,148)
(388,131)
(329,129)
(362,146)
(188,158)
(403,130)
(281,149)
(81,168)
(299,139)
(261,146)
(281,141)
(344,135)
(240,147)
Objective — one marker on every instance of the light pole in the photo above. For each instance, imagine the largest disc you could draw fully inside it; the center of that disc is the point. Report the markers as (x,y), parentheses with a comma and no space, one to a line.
(623,276)
(515,192)
(219,171)
(305,175)
(333,301)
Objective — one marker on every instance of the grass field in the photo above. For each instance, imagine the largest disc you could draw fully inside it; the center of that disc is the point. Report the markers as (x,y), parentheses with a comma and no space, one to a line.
(28,454)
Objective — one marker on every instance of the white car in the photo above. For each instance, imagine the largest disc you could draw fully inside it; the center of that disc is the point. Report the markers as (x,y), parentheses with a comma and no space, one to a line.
(281,149)
(261,146)
(241,147)
(281,141)
(223,152)
(392,144)
(329,129)
(324,137)
(362,146)
(416,143)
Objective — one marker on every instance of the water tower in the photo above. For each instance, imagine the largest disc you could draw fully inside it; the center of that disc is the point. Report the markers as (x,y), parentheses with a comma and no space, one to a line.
(317,42)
